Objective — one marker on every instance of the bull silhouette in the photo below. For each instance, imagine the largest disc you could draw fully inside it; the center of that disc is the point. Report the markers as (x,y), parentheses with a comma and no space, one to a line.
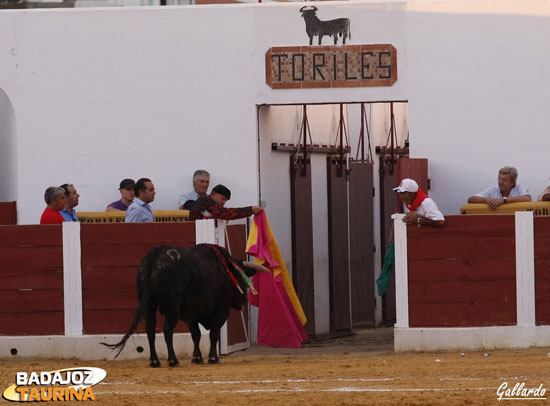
(333,28)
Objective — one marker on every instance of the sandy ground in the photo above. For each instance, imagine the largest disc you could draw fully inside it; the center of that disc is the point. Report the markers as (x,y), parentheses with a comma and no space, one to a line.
(357,370)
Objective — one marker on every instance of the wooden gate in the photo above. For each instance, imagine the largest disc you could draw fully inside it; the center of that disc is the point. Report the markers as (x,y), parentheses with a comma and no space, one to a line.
(339,278)
(302,237)
(361,242)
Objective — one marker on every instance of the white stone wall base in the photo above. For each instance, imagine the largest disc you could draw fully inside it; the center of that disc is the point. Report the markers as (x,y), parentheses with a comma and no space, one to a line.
(470,338)
(87,347)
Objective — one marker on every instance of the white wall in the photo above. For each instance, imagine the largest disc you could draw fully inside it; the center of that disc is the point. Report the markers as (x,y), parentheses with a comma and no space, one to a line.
(101,95)
(8,164)
(478,94)
(105,94)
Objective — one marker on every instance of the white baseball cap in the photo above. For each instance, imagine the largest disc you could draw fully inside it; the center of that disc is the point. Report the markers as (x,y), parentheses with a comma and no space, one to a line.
(407,185)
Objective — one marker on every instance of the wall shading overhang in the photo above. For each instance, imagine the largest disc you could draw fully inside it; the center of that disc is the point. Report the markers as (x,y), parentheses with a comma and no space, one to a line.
(331,66)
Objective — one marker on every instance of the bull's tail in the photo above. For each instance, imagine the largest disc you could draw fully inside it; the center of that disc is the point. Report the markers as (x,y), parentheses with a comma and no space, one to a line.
(145,264)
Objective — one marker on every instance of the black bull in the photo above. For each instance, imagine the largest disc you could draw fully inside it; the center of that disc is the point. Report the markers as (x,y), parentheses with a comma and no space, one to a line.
(192,284)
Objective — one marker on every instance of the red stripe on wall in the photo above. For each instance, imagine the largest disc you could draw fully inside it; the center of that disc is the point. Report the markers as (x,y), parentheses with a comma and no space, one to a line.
(34,235)
(460,315)
(31,324)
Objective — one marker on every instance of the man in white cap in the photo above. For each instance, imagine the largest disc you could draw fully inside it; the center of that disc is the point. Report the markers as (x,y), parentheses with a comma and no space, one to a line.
(419,208)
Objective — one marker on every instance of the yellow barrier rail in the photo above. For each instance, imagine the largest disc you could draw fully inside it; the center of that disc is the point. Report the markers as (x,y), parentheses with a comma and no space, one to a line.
(161,216)
(538,208)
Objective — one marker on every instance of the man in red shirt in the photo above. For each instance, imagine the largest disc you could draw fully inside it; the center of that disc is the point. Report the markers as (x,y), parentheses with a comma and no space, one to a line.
(55,199)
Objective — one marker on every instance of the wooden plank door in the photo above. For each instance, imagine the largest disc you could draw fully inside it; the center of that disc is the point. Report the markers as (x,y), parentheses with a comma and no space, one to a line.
(302,238)
(361,244)
(339,277)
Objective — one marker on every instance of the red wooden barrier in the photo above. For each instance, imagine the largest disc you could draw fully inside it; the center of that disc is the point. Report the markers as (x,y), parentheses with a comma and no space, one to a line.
(542,270)
(111,254)
(31,280)
(463,275)
(8,213)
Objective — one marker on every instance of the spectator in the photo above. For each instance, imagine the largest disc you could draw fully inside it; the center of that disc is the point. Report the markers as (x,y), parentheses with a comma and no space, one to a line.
(127,196)
(507,190)
(212,207)
(55,200)
(71,201)
(201,180)
(545,195)
(140,211)
(418,207)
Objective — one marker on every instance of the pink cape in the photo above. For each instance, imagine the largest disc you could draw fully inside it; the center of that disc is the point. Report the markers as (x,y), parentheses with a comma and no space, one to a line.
(280,315)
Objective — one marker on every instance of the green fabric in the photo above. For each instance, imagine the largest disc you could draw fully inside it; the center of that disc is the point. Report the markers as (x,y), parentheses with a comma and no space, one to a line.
(385,275)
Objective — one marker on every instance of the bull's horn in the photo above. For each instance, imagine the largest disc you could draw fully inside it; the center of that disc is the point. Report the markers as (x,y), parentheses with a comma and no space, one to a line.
(309,8)
(255,266)
(314,8)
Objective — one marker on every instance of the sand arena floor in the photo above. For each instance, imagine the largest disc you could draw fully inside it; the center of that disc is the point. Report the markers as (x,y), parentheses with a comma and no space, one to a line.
(358,370)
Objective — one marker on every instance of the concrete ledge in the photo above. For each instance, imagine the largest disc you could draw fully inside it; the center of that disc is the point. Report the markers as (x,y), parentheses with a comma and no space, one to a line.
(470,338)
(87,347)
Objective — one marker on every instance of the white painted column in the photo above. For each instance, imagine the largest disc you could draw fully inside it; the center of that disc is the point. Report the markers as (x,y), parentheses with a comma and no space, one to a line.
(221,232)
(401,271)
(210,231)
(72,279)
(205,231)
(525,268)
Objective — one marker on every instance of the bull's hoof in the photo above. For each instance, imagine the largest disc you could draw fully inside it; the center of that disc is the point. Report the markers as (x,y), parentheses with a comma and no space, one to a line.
(155,364)
(173,363)
(197,361)
(213,361)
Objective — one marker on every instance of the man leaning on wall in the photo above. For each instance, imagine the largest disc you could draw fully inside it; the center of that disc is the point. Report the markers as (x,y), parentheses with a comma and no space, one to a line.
(418,207)
(507,191)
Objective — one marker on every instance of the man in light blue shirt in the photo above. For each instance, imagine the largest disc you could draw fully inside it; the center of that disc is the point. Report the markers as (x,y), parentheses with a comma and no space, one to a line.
(201,180)
(68,212)
(507,190)
(140,211)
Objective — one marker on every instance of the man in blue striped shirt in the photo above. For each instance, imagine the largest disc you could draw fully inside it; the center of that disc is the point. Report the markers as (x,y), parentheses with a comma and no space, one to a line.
(140,211)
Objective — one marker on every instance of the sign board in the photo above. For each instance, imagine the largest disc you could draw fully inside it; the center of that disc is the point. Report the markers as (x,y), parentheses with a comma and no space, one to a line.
(331,66)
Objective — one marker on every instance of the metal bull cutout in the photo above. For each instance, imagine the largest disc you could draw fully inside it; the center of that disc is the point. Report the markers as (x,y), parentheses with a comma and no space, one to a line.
(333,28)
